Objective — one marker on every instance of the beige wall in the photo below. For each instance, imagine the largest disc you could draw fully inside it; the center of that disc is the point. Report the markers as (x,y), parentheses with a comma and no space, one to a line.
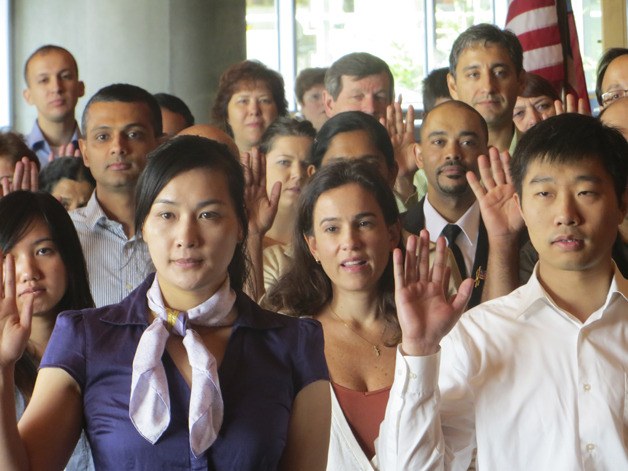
(173,46)
(614,30)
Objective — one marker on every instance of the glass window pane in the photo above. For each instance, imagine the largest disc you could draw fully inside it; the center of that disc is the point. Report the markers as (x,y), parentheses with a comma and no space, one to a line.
(392,30)
(451,17)
(5,119)
(262,32)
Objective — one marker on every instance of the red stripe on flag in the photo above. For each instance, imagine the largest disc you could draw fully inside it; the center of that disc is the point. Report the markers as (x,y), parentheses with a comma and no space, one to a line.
(540,38)
(517,7)
(553,74)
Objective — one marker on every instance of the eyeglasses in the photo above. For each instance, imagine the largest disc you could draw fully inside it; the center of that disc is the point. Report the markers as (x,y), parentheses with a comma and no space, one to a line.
(610,97)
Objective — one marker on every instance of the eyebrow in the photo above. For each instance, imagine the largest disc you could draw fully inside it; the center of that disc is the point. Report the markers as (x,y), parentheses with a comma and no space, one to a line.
(126,126)
(543,98)
(43,239)
(464,133)
(491,66)
(337,158)
(43,74)
(357,216)
(201,204)
(579,178)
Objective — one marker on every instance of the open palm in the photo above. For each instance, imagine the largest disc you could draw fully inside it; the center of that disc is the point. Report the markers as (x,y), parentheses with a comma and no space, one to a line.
(15,325)
(425,314)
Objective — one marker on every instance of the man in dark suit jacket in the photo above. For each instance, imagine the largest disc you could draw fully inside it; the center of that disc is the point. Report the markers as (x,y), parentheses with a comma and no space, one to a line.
(453,135)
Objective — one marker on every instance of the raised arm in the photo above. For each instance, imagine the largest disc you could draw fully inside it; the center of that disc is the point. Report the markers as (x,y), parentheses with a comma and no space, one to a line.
(261,209)
(51,424)
(503,222)
(15,329)
(411,436)
(402,137)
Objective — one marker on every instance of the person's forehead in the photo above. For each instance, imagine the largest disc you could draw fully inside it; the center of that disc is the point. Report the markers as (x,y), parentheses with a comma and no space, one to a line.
(316,88)
(616,73)
(67,185)
(541,169)
(246,87)
(484,54)
(118,114)
(378,81)
(452,119)
(43,60)
(351,143)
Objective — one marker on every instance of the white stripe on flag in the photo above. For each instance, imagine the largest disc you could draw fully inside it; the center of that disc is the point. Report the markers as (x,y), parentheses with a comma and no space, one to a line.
(533,19)
(542,57)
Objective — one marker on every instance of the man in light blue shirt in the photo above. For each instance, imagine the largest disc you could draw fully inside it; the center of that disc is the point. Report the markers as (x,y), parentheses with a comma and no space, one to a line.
(53,87)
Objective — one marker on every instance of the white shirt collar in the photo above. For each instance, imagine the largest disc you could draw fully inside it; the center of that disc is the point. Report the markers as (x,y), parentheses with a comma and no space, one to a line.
(533,292)
(469,222)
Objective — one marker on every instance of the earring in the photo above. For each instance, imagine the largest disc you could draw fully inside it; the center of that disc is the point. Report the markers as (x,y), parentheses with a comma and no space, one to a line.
(317,261)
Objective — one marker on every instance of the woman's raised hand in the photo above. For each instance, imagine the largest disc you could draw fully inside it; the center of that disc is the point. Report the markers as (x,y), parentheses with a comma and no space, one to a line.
(15,325)
(425,314)
(261,206)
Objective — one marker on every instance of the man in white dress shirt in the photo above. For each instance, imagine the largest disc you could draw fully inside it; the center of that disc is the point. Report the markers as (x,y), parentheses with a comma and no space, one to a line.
(537,379)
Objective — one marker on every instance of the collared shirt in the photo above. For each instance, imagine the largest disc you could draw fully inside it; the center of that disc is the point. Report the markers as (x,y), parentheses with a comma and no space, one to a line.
(38,143)
(116,264)
(469,223)
(525,381)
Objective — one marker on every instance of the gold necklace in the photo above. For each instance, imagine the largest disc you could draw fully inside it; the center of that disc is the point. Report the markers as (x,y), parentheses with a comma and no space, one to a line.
(376,348)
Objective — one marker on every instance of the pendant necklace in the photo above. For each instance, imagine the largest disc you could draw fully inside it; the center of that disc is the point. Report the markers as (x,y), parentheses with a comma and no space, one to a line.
(376,347)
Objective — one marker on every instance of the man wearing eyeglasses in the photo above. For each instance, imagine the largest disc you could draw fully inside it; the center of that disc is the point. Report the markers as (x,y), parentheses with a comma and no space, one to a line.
(612,76)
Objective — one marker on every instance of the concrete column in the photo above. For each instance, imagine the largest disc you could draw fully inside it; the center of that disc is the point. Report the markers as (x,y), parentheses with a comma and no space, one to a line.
(173,46)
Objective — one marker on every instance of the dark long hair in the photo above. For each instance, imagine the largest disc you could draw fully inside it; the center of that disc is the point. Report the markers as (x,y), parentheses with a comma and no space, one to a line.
(305,288)
(18,212)
(184,153)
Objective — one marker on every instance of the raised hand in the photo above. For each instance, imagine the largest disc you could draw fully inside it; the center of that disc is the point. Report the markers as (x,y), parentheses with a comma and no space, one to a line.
(68,150)
(25,177)
(495,195)
(570,106)
(261,207)
(15,325)
(425,314)
(402,137)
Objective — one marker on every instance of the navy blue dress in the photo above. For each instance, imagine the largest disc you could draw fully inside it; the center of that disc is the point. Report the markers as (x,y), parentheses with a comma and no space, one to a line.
(269,358)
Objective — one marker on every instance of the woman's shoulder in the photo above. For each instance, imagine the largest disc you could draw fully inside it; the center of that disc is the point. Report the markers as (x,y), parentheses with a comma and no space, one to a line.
(131,310)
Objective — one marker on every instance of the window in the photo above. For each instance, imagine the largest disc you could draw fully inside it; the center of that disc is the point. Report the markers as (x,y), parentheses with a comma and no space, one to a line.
(5,116)
(412,36)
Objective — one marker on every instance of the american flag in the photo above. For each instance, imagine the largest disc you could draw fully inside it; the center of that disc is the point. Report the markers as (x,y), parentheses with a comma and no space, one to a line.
(547,32)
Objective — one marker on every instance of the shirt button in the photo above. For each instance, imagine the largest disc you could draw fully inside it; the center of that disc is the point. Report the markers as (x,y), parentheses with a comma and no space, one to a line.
(590,447)
(413,376)
(129,287)
(587,387)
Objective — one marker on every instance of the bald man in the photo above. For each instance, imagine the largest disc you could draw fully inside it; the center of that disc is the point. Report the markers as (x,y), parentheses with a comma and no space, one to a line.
(214,133)
(453,136)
